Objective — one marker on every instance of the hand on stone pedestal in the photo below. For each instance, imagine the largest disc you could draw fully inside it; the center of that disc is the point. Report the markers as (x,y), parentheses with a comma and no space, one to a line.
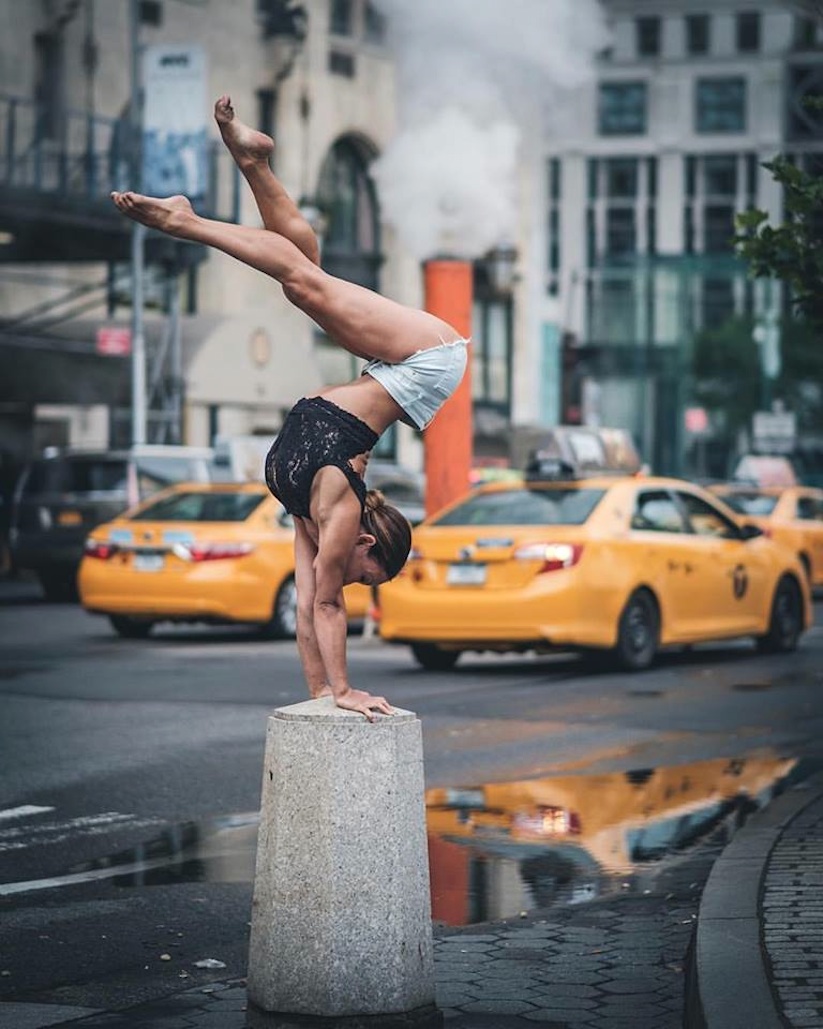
(365,703)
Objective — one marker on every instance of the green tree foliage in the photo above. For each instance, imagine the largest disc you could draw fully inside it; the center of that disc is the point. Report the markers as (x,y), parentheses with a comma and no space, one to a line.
(791,252)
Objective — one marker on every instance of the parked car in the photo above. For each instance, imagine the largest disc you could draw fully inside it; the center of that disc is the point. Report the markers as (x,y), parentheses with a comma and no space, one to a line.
(793,515)
(624,564)
(62,495)
(217,552)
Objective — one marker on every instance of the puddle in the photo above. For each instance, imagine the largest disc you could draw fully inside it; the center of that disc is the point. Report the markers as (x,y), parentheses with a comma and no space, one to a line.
(503,849)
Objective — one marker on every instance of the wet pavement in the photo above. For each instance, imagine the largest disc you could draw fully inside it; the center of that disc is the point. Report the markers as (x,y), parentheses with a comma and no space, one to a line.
(590,952)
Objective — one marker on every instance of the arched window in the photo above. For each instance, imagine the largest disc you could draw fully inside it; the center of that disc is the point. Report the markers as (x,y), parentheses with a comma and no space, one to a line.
(351,244)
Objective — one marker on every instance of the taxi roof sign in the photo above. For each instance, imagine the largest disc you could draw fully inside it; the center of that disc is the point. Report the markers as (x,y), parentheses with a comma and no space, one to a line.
(574,451)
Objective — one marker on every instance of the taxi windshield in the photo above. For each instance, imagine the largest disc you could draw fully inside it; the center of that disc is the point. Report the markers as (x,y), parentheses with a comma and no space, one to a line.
(196,506)
(533,506)
(751,503)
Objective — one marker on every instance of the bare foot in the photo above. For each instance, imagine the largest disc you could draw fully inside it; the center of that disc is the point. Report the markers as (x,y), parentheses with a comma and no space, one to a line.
(246,145)
(169,214)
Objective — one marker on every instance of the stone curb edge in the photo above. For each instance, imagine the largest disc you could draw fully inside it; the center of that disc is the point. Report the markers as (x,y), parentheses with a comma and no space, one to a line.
(727,986)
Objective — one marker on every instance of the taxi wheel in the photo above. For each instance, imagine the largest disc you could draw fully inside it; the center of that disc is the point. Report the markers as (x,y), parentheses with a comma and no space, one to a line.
(283,622)
(433,658)
(638,632)
(786,621)
(130,628)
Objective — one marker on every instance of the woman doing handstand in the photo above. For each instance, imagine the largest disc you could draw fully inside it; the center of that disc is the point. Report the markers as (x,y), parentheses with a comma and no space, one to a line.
(343,533)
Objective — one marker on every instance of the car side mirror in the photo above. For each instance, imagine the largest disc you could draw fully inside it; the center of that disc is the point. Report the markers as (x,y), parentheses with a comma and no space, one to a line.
(749,531)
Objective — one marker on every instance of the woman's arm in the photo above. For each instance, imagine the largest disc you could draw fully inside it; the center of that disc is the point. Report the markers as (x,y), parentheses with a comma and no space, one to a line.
(336,513)
(305,552)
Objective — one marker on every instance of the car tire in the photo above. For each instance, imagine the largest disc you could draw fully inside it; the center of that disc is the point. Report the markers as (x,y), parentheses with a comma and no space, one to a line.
(58,587)
(130,628)
(785,621)
(638,632)
(434,658)
(283,622)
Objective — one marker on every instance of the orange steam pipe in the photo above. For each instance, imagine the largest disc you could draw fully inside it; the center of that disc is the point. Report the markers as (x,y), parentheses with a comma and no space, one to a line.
(447,442)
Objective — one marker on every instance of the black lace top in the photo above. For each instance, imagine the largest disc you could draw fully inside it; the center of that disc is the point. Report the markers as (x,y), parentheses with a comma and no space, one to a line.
(316,433)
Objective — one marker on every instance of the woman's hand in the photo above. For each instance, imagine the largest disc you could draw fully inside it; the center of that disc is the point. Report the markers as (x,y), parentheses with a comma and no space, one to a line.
(365,703)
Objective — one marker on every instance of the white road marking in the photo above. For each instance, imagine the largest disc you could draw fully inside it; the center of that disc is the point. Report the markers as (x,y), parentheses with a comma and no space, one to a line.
(47,833)
(25,811)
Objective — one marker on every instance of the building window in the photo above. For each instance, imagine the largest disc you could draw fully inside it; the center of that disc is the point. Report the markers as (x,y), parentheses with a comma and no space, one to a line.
(648,36)
(748,32)
(697,34)
(804,121)
(491,345)
(342,17)
(720,105)
(49,86)
(717,186)
(622,108)
(374,24)
(620,181)
(808,34)
(555,192)
(342,64)
(346,194)
(621,214)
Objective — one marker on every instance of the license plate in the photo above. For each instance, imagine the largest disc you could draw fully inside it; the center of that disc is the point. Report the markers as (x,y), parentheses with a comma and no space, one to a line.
(69,518)
(148,562)
(466,575)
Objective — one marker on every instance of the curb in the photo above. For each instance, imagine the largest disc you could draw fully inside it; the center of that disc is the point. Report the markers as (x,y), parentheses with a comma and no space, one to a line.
(728,985)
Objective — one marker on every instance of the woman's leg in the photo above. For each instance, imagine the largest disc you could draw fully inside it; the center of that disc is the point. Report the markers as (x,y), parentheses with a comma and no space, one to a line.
(358,319)
(251,151)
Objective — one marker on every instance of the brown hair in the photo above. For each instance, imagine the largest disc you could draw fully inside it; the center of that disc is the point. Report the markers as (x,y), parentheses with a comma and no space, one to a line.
(391,531)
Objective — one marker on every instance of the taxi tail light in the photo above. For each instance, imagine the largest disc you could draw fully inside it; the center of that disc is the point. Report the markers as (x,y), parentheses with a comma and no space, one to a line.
(101,549)
(199,552)
(553,555)
(767,532)
(548,821)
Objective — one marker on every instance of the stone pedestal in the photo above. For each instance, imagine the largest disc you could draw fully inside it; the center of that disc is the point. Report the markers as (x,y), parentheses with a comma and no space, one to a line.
(341,920)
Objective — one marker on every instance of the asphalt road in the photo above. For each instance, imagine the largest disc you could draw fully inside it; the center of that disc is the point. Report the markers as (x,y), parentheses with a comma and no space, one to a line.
(118,751)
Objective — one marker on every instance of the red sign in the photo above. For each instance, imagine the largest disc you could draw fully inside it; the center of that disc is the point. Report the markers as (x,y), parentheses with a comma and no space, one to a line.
(697,419)
(114,340)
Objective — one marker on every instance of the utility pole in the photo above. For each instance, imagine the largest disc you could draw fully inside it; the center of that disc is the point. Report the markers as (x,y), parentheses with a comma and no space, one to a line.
(138,236)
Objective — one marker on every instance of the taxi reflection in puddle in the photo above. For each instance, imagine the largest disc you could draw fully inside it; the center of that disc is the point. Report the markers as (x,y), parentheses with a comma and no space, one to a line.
(499,849)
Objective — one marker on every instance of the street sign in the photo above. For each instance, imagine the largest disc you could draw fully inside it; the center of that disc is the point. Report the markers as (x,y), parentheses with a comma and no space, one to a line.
(114,340)
(774,432)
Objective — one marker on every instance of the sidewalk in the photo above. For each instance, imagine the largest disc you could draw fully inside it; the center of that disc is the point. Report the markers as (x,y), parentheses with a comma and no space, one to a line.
(758,960)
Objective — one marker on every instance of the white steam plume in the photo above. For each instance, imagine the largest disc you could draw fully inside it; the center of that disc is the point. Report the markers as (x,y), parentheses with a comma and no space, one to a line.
(476,79)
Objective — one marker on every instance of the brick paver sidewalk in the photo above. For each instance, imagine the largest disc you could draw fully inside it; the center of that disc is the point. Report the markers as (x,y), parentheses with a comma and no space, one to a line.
(792,919)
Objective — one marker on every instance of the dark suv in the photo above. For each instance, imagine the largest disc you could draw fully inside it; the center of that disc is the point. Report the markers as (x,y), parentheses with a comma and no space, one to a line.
(62,496)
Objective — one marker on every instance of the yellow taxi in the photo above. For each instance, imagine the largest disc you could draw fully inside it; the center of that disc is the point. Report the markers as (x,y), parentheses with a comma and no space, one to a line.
(626,564)
(217,552)
(793,515)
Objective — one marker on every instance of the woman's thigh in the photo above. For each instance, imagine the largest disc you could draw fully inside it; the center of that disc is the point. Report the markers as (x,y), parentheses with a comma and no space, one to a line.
(364,322)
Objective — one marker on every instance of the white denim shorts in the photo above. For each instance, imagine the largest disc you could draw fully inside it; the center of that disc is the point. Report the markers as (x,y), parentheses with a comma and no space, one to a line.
(423,382)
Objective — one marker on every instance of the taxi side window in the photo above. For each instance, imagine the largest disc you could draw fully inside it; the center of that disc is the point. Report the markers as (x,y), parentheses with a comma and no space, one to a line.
(809,509)
(656,511)
(705,519)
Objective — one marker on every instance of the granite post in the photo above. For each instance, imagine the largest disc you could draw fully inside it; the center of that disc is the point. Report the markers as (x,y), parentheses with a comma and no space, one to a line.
(341,918)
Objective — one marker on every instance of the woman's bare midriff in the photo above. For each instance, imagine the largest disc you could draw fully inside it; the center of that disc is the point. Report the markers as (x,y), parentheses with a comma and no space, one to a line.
(367,400)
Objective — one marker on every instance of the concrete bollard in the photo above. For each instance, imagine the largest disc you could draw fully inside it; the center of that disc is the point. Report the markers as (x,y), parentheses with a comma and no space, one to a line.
(341,918)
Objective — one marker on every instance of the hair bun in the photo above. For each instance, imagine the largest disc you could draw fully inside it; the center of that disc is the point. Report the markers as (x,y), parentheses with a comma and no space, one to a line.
(374,500)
